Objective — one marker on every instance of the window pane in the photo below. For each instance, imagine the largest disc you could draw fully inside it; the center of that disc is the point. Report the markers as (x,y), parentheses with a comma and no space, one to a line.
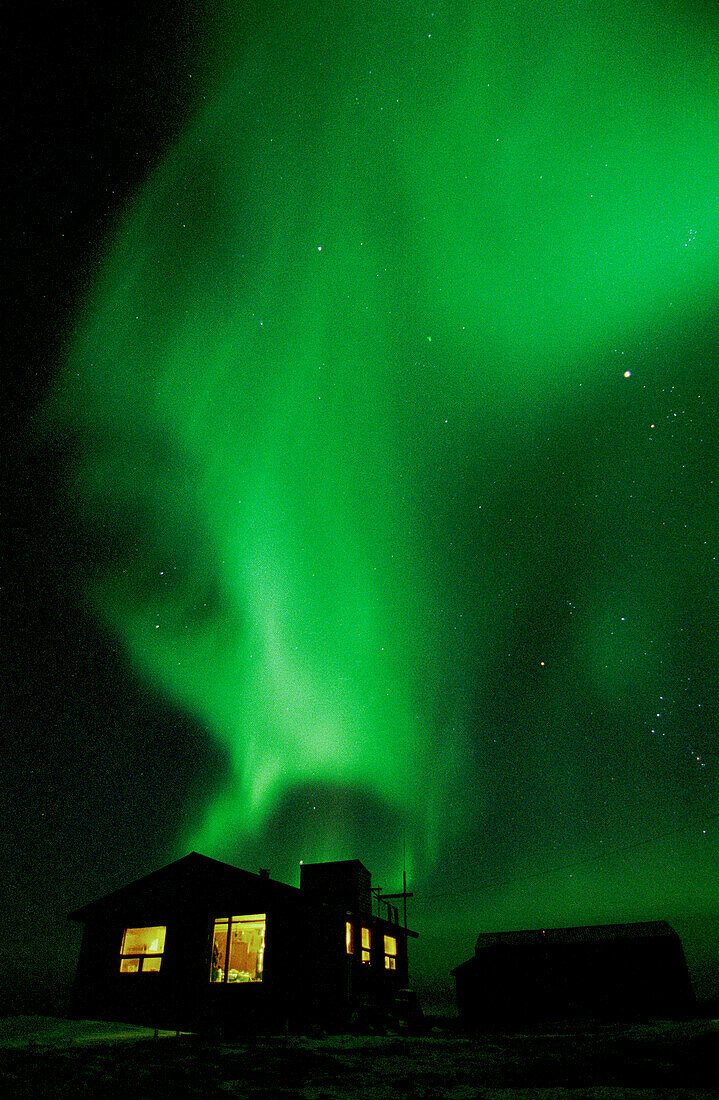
(219,946)
(151,964)
(247,946)
(247,949)
(365,938)
(390,945)
(349,937)
(129,966)
(143,941)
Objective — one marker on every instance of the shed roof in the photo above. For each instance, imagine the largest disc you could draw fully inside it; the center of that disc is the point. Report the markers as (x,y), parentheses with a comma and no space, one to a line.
(586,933)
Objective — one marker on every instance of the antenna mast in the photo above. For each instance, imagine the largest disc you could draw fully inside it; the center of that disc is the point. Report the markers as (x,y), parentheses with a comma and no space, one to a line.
(404,876)
(404,895)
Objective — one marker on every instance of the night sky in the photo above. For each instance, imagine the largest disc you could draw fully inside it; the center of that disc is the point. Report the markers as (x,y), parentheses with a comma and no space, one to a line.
(363,460)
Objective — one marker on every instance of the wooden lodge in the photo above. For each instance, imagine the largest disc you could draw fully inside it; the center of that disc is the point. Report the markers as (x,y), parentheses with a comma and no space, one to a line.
(203,946)
(612,971)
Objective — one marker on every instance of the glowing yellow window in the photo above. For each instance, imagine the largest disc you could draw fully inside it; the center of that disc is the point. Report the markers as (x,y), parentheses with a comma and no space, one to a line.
(390,953)
(366,958)
(238,949)
(349,937)
(142,946)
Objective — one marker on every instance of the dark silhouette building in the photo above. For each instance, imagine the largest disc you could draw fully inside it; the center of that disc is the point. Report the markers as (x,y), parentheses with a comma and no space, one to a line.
(202,945)
(611,970)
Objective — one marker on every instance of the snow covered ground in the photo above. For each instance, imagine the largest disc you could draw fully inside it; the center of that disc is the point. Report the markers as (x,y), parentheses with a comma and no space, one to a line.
(44,1031)
(44,1058)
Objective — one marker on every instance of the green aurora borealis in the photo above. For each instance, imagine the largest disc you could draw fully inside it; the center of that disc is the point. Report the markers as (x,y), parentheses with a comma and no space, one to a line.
(393,413)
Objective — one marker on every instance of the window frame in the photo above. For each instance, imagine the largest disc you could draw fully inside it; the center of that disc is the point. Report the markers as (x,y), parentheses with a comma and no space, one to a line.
(141,957)
(366,948)
(229,923)
(390,957)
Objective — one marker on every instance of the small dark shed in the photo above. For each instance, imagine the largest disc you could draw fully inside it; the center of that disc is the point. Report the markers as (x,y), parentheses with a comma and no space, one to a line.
(202,945)
(610,970)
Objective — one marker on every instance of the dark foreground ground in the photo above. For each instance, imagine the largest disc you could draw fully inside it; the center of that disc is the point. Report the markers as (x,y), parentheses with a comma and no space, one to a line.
(665,1059)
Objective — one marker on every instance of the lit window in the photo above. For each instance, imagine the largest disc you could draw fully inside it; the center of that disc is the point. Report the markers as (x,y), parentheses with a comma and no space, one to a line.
(238,949)
(142,945)
(366,959)
(349,937)
(390,953)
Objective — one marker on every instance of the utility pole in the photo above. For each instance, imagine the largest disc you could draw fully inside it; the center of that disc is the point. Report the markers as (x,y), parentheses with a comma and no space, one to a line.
(404,875)
(405,893)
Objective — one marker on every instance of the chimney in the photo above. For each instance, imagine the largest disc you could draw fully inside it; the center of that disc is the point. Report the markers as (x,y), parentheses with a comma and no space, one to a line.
(344,882)
(264,873)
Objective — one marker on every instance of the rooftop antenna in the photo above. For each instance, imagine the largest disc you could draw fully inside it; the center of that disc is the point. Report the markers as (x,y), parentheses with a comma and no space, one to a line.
(404,875)
(404,895)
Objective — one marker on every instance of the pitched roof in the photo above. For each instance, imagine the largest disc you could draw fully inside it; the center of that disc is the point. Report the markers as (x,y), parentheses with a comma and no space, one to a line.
(195,867)
(582,934)
(587,933)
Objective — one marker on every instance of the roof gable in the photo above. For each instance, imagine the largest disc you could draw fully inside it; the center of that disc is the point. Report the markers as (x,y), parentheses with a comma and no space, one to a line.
(194,874)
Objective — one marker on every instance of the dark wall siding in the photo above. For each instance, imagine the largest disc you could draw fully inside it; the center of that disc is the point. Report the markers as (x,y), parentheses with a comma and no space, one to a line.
(628,978)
